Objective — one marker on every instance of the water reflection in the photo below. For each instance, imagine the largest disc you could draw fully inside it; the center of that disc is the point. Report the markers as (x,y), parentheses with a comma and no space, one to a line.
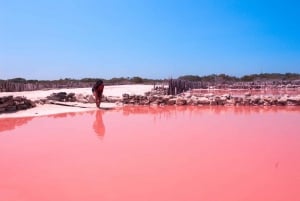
(161,112)
(168,110)
(209,153)
(12,123)
(7,124)
(98,124)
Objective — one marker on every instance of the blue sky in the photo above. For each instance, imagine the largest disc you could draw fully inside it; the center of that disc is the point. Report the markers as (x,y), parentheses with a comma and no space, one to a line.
(154,38)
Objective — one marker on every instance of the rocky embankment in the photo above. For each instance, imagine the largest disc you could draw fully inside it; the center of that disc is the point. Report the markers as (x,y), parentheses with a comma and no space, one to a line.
(154,98)
(67,97)
(210,99)
(13,104)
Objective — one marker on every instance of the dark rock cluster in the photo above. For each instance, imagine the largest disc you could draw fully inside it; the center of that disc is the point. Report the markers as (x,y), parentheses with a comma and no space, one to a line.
(70,97)
(62,97)
(13,104)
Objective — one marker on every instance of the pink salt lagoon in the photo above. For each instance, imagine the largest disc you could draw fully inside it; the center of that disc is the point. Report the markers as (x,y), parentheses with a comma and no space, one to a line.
(157,154)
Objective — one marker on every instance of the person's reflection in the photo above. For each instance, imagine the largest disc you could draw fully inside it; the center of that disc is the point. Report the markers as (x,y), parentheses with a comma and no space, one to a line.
(98,125)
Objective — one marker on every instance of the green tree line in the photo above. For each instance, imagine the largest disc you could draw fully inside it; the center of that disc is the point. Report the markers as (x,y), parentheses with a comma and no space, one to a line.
(245,78)
(205,78)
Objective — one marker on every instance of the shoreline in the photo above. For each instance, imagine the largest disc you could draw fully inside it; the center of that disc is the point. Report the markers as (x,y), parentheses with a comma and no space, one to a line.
(113,91)
(118,96)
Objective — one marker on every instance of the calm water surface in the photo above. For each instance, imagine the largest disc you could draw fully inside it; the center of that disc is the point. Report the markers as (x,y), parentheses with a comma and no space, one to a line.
(162,154)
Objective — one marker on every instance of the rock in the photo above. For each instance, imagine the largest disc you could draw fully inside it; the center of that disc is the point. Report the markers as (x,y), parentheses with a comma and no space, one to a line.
(269,100)
(282,100)
(30,103)
(47,102)
(229,102)
(220,100)
(79,96)
(11,108)
(12,104)
(6,99)
(203,101)
(226,96)
(152,98)
(247,94)
(82,100)
(180,101)
(159,101)
(125,96)
(187,95)
(119,103)
(132,102)
(246,101)
(131,96)
(189,101)
(147,93)
(70,95)
(171,101)
(22,107)
(112,99)
(6,104)
(91,99)
(194,100)
(213,101)
(145,102)
(18,98)
(166,98)
(154,104)
(260,102)
(294,99)
(208,95)
(237,100)
(61,96)
(255,100)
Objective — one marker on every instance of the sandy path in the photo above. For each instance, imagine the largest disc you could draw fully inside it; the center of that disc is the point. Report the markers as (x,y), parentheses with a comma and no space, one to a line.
(47,109)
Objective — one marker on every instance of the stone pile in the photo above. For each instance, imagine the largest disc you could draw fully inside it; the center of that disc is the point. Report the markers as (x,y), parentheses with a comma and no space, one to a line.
(13,104)
(211,99)
(157,90)
(70,97)
(62,97)
(154,98)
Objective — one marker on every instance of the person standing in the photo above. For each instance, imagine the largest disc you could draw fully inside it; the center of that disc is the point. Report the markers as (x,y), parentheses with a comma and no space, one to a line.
(98,91)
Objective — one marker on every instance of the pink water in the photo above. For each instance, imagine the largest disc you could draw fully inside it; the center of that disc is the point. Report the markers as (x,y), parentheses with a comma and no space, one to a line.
(163,154)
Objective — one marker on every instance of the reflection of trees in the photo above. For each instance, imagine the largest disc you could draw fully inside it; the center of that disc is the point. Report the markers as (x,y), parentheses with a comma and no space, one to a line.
(98,125)
(12,123)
